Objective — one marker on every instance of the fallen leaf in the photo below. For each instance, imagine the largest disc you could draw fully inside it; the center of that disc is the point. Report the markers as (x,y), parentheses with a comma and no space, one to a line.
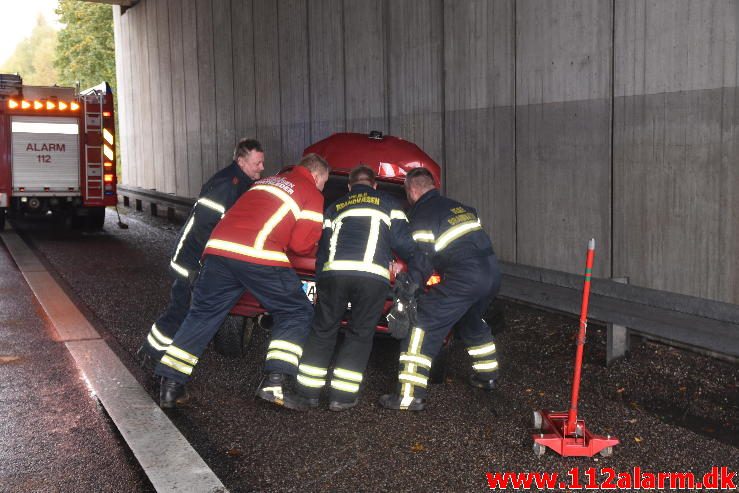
(529,390)
(8,359)
(620,390)
(233,452)
(637,439)
(417,447)
(542,394)
(632,421)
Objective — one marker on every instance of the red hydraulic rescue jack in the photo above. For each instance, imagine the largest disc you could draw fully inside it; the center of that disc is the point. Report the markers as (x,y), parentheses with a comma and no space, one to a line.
(562,431)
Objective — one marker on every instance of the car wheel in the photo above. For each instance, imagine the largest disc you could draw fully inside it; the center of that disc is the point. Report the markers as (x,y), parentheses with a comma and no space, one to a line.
(439,365)
(234,336)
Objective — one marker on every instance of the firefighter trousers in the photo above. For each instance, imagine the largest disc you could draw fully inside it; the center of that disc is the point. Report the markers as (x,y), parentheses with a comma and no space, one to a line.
(463,296)
(221,283)
(367,297)
(163,330)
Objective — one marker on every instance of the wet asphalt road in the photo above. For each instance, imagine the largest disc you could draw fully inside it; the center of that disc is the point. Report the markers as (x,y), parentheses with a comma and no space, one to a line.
(54,435)
(673,410)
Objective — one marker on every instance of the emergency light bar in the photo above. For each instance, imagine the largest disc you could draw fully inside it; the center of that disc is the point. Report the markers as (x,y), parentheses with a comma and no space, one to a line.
(47,105)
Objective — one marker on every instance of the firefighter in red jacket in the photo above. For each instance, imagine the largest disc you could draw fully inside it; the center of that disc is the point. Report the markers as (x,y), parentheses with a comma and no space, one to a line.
(247,250)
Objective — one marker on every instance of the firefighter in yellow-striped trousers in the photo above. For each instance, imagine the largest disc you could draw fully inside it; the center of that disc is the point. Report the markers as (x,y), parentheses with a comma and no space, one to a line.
(360,232)
(248,250)
(218,194)
(455,246)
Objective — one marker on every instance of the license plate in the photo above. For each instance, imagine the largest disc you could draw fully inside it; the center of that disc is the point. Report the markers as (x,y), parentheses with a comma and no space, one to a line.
(309,288)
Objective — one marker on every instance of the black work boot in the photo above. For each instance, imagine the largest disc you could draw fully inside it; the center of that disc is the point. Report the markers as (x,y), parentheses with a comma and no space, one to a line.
(146,360)
(272,388)
(339,406)
(172,394)
(482,381)
(297,402)
(393,401)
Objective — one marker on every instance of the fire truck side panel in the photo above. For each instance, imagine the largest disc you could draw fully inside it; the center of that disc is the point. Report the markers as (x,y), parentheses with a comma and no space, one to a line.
(45,156)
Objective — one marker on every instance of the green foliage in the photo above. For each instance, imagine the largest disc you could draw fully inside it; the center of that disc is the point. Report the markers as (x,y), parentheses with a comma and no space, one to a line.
(85,50)
(34,56)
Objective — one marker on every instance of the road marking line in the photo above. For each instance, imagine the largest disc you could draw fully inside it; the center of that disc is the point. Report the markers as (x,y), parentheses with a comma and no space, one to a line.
(166,456)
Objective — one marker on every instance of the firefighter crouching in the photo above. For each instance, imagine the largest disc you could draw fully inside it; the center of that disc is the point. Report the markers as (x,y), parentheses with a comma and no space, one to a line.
(217,195)
(455,245)
(247,250)
(360,231)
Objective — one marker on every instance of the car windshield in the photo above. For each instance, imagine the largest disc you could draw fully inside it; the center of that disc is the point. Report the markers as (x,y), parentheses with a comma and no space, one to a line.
(336,187)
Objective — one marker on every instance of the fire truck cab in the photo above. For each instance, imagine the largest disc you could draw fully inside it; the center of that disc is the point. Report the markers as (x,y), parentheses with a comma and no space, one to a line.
(57,151)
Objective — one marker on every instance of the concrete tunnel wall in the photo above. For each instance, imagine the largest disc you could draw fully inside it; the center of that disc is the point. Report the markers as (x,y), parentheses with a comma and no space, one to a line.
(560,121)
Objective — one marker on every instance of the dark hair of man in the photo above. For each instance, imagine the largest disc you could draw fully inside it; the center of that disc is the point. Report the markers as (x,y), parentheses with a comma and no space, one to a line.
(245,146)
(314,163)
(362,174)
(420,178)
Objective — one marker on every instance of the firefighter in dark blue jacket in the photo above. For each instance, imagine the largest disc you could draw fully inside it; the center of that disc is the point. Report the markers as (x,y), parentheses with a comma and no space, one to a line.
(458,249)
(216,197)
(360,232)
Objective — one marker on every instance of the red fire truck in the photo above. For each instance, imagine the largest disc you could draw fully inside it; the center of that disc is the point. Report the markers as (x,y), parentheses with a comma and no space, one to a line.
(57,151)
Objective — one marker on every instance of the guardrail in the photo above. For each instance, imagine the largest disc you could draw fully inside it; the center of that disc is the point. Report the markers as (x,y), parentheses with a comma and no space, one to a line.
(157,203)
(698,324)
(707,326)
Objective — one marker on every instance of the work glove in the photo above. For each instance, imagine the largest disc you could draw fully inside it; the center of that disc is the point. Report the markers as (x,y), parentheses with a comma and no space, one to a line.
(402,316)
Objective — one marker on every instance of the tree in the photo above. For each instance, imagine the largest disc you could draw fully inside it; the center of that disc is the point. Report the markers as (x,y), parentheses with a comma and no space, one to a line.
(33,57)
(85,50)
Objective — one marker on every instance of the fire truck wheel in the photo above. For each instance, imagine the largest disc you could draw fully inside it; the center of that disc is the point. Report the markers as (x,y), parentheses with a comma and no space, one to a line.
(95,218)
(2,218)
(439,365)
(234,336)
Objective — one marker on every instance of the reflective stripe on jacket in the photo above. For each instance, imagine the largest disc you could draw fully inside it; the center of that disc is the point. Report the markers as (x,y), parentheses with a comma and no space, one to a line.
(218,194)
(278,214)
(447,232)
(360,231)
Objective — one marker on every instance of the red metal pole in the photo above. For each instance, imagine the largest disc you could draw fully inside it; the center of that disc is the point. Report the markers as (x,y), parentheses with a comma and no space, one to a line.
(572,415)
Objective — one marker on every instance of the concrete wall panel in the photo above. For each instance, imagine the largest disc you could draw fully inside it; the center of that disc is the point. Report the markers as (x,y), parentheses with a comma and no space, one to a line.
(676,126)
(143,88)
(224,73)
(122,69)
(415,34)
(680,45)
(366,66)
(294,79)
(164,98)
(479,117)
(242,31)
(563,117)
(267,77)
(179,102)
(516,98)
(207,87)
(326,57)
(563,50)
(196,170)
(154,74)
